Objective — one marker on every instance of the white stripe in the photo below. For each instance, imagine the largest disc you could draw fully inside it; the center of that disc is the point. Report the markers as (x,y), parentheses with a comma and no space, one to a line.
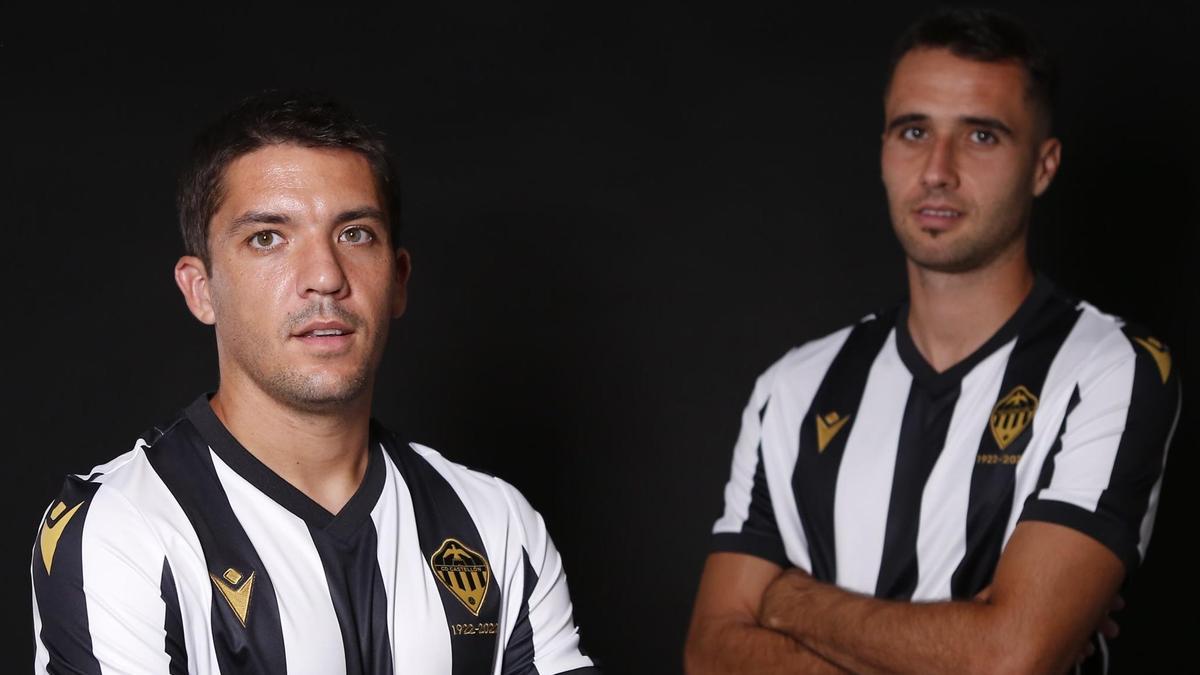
(1059,385)
(312,637)
(41,656)
(122,571)
(420,639)
(942,532)
(138,481)
(555,636)
(864,482)
(793,384)
(1083,468)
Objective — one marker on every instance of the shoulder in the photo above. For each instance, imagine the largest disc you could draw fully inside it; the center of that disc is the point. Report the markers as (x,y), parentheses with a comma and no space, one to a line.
(478,486)
(115,495)
(1115,344)
(812,358)
(494,504)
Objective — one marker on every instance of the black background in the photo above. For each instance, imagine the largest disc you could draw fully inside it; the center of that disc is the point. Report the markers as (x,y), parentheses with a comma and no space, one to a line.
(618,218)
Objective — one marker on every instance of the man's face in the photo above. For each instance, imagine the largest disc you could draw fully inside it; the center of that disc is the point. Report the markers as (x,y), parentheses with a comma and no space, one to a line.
(963,157)
(304,278)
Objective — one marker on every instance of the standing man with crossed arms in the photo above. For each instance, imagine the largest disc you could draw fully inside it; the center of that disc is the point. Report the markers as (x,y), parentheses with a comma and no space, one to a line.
(961,483)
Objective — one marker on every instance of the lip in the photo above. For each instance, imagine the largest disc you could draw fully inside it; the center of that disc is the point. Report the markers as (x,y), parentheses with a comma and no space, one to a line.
(937,216)
(331,341)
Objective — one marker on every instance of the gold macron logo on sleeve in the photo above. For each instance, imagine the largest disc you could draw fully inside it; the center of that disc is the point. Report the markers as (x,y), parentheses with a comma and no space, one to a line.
(52,529)
(1160,353)
(235,588)
(828,426)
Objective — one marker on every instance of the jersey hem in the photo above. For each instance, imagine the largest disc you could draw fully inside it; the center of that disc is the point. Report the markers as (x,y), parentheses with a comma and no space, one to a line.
(756,545)
(1087,522)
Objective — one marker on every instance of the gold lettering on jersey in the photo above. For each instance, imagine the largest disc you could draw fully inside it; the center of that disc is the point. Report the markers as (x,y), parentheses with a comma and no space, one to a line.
(1162,355)
(52,529)
(828,426)
(485,628)
(464,572)
(1012,415)
(236,588)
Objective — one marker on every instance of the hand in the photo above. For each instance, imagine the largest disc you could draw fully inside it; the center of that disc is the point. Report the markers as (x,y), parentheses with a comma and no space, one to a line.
(1107,627)
(783,598)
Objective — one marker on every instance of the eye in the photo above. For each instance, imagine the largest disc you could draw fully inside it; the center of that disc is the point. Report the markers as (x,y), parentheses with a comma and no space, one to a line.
(912,133)
(356,235)
(265,239)
(984,137)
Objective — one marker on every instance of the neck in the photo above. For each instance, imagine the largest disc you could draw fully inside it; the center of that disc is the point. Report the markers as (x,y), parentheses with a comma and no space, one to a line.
(324,455)
(953,314)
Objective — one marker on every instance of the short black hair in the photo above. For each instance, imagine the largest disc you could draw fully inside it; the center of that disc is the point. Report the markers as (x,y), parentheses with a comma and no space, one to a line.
(985,35)
(274,117)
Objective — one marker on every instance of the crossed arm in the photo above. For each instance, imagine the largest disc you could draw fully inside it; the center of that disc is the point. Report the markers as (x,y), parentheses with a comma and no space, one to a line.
(1052,587)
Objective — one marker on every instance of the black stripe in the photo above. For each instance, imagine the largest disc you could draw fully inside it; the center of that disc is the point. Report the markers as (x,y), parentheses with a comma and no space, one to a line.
(440,515)
(815,476)
(1047,473)
(359,597)
(1116,522)
(1153,413)
(60,597)
(923,431)
(519,653)
(992,483)
(174,643)
(181,459)
(759,535)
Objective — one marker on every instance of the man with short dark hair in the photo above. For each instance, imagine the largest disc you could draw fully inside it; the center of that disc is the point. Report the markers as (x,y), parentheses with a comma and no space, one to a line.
(963,482)
(273,527)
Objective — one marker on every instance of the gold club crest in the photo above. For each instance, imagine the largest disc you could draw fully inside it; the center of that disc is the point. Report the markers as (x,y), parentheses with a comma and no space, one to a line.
(1012,415)
(464,572)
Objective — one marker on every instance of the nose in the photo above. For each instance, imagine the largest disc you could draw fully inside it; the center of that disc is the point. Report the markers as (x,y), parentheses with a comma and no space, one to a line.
(939,170)
(320,271)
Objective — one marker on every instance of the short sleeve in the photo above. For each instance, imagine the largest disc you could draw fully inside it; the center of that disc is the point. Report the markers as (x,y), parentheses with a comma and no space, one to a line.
(97,586)
(545,638)
(748,524)
(1104,475)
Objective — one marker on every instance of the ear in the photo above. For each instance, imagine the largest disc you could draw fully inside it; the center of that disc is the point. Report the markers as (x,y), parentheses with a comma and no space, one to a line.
(191,277)
(403,271)
(1049,156)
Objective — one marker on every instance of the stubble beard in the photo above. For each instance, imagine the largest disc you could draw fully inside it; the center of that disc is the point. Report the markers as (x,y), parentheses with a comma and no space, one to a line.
(960,251)
(316,391)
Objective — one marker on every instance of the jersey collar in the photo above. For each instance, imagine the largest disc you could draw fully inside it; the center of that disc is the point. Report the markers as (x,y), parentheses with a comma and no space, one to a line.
(925,374)
(249,467)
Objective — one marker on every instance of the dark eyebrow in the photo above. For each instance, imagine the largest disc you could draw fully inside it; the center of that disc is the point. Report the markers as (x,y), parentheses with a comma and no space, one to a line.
(361,213)
(989,123)
(253,217)
(906,119)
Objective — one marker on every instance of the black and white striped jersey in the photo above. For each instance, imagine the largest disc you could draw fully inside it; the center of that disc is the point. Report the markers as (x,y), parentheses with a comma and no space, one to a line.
(861,464)
(188,555)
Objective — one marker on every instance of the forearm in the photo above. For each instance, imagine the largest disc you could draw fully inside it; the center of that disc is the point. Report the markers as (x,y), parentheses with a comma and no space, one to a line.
(730,647)
(870,635)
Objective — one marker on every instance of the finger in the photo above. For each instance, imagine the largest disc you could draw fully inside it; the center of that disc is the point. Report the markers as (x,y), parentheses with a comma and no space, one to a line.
(1109,628)
(1118,604)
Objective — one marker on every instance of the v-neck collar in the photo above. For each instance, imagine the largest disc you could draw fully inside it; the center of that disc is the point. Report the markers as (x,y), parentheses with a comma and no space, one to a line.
(249,467)
(929,378)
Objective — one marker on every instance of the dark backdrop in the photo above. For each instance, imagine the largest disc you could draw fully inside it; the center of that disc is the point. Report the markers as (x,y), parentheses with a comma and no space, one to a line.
(618,218)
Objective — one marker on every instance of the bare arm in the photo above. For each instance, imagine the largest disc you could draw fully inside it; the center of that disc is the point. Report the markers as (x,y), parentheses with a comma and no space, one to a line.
(1052,586)
(725,636)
